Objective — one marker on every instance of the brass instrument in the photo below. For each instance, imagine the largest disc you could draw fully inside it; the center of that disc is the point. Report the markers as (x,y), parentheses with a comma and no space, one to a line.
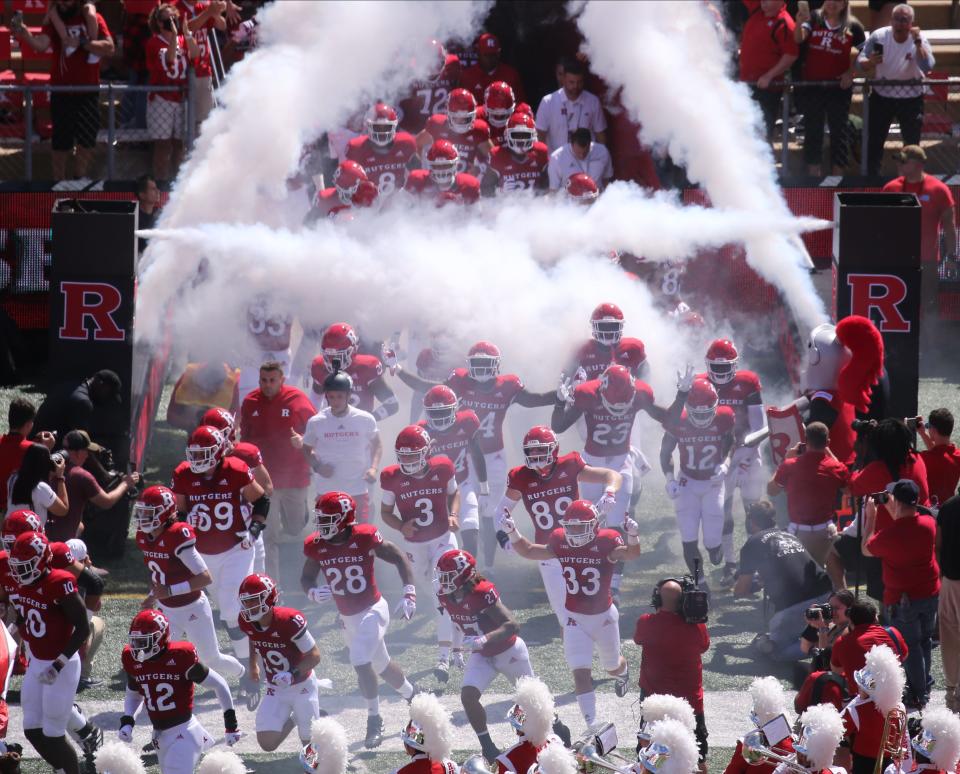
(755,750)
(589,759)
(894,742)
(475,764)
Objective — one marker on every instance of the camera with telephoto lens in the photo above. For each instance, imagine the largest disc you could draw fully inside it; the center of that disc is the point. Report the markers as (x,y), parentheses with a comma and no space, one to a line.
(57,459)
(821,612)
(863,425)
(914,423)
(880,498)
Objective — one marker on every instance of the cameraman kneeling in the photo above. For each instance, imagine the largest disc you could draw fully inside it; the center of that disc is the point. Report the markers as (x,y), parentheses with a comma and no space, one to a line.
(672,649)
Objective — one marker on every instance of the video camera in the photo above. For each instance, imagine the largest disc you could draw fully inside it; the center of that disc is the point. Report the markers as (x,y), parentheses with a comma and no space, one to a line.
(694,601)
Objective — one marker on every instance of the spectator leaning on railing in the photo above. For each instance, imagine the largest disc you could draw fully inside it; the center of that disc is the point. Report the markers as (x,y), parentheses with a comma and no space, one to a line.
(767,50)
(167,54)
(941,458)
(899,52)
(828,37)
(76,55)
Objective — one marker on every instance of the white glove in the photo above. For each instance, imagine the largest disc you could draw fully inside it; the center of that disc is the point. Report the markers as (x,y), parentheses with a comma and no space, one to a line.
(607,501)
(320,594)
(48,676)
(565,390)
(720,472)
(672,488)
(631,527)
(283,679)
(125,734)
(685,378)
(579,377)
(232,737)
(408,604)
(483,504)
(388,354)
(506,524)
(474,642)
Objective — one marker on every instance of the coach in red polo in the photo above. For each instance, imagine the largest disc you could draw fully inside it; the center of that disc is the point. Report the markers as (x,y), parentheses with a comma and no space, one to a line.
(911,578)
(269,416)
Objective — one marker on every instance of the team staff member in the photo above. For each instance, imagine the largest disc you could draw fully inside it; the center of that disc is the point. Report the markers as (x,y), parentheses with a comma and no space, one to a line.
(911,577)
(672,657)
(812,477)
(948,556)
(271,417)
(941,457)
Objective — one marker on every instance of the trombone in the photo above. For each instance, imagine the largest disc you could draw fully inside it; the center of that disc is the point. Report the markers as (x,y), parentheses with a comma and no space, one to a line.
(475,764)
(893,744)
(591,748)
(756,750)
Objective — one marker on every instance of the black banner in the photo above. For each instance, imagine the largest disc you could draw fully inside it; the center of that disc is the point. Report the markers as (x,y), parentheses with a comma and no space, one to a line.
(876,263)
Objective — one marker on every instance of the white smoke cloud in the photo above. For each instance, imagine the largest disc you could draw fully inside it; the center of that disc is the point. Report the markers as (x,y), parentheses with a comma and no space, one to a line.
(672,65)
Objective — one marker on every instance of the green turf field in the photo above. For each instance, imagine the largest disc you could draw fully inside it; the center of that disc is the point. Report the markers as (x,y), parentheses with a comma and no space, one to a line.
(728,665)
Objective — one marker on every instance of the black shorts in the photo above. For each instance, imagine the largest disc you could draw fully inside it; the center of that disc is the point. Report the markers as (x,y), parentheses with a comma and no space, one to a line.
(76,120)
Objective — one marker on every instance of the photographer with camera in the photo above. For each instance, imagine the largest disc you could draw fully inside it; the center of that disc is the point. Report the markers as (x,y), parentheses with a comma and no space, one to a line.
(39,484)
(850,650)
(83,487)
(792,580)
(813,478)
(825,624)
(673,641)
(911,576)
(941,458)
(887,449)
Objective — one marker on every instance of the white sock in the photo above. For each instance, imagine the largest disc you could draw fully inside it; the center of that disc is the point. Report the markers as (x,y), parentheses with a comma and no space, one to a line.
(76,720)
(405,690)
(588,706)
(373,706)
(729,555)
(444,651)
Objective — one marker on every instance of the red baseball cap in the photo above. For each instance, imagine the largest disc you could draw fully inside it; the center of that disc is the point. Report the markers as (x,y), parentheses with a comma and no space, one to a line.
(488,44)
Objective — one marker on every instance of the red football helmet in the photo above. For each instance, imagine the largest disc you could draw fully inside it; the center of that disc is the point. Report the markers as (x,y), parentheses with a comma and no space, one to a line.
(483,361)
(382,124)
(581,188)
(580,523)
(334,512)
(521,133)
(366,195)
(258,596)
(347,178)
(223,420)
(454,568)
(154,508)
(205,448)
(461,111)
(149,634)
(617,390)
(338,345)
(606,322)
(16,523)
(499,102)
(540,447)
(702,403)
(29,557)
(440,405)
(442,160)
(722,358)
(413,449)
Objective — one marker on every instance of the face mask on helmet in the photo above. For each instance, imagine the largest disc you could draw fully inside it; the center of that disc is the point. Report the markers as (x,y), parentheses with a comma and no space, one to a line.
(537,455)
(149,517)
(202,458)
(608,332)
(701,416)
(381,131)
(253,607)
(483,368)
(721,373)
(579,533)
(412,462)
(328,524)
(337,359)
(617,409)
(441,417)
(443,172)
(26,571)
(520,139)
(146,645)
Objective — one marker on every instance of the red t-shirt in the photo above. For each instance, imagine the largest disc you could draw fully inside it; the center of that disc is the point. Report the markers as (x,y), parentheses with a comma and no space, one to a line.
(934,198)
(812,481)
(12,448)
(81,488)
(75,69)
(943,471)
(671,659)
(764,41)
(850,650)
(267,422)
(876,476)
(906,551)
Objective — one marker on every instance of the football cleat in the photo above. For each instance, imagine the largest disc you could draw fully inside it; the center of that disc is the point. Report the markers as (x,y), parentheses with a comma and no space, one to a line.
(442,670)
(621,683)
(374,736)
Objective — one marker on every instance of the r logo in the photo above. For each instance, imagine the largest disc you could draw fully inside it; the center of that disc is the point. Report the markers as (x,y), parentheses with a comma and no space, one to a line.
(96,300)
(883,292)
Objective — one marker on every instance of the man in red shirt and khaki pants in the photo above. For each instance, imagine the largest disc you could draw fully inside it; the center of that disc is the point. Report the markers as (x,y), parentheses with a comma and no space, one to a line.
(671,661)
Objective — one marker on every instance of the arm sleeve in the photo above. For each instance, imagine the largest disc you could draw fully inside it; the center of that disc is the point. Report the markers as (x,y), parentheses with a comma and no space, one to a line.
(192,560)
(388,498)
(220,687)
(131,702)
(452,485)
(304,641)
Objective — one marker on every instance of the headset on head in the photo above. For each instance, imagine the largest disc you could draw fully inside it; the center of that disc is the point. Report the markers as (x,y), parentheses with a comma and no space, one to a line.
(655,598)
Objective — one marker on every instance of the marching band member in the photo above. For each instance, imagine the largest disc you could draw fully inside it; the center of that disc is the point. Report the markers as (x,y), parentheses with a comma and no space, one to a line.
(821,732)
(769,701)
(936,747)
(328,748)
(428,738)
(672,749)
(532,718)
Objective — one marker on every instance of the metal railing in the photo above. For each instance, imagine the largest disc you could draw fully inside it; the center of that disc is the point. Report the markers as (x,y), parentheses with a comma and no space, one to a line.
(22,135)
(938,133)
